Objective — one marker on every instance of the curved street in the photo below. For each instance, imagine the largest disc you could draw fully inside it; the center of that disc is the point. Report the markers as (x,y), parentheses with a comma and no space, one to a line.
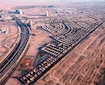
(8,65)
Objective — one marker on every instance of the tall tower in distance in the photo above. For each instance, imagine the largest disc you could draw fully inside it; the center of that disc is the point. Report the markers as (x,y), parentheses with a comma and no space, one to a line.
(47,14)
(20,12)
(30,23)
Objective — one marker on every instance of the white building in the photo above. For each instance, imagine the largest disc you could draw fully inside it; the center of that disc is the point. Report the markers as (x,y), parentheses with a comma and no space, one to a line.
(3,30)
(47,13)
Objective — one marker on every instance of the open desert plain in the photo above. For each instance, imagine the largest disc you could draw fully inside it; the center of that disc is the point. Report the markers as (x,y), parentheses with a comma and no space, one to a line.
(52,42)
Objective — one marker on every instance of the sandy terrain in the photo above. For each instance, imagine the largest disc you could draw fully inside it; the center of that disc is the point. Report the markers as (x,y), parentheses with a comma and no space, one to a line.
(7,40)
(38,40)
(13,83)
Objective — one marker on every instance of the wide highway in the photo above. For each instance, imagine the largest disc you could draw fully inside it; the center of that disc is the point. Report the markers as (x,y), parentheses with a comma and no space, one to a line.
(9,64)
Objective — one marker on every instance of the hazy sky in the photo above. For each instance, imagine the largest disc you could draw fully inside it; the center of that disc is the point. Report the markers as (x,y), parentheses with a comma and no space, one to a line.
(34,1)
(28,2)
(10,3)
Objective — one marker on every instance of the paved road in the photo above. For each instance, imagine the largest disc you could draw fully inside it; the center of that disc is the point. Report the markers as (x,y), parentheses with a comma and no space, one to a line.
(12,60)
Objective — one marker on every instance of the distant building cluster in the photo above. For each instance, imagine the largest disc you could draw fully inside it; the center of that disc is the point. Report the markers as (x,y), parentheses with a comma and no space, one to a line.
(2,13)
